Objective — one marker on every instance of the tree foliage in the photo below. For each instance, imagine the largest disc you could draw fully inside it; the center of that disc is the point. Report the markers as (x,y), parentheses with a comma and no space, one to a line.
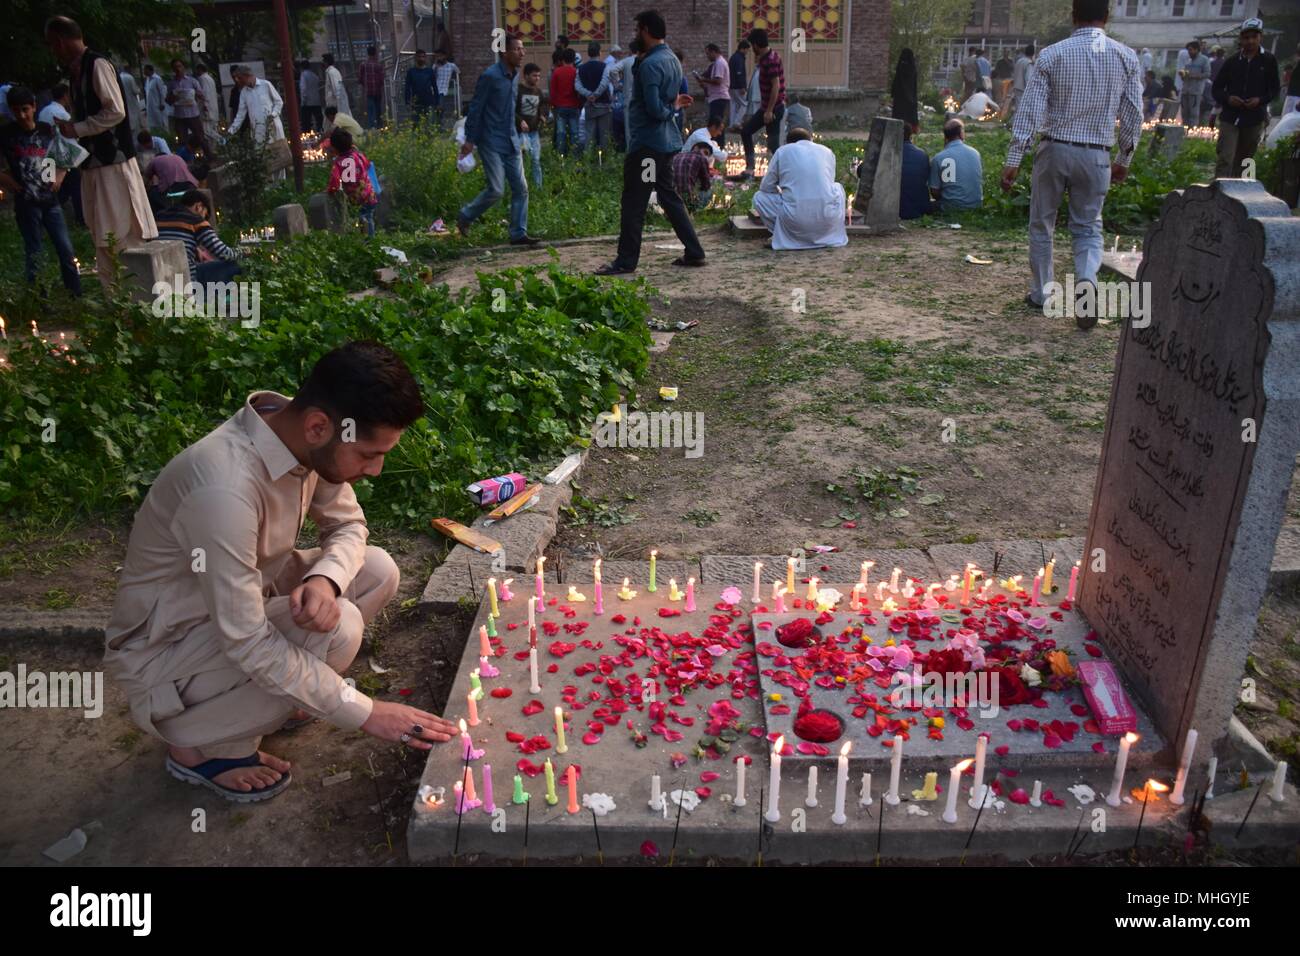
(924,26)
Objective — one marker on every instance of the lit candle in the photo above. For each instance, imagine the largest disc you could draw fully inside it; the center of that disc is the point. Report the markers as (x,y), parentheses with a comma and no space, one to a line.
(467,745)
(541,584)
(506,593)
(1184,764)
(740,783)
(1278,793)
(3,334)
(551,798)
(560,747)
(484,645)
(789,575)
(690,595)
(880,591)
(965,587)
(656,795)
(889,606)
(864,792)
(1074,580)
(842,781)
(780,601)
(492,597)
(651,586)
(1038,585)
(866,572)
(954,784)
(977,788)
(758,572)
(893,580)
(855,603)
(533,686)
(811,596)
(1047,577)
(625,593)
(489,805)
(1036,798)
(1121,762)
(895,770)
(811,799)
(673,593)
(572,774)
(472,703)
(951,584)
(773,814)
(597,586)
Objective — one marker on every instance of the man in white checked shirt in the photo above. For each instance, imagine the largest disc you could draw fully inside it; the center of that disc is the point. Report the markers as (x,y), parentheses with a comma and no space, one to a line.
(1078,89)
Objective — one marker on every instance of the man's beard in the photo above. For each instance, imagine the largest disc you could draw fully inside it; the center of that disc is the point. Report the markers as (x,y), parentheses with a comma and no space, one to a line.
(322,462)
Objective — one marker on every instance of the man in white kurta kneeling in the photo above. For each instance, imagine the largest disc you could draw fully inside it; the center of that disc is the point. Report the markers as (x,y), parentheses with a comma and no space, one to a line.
(799,199)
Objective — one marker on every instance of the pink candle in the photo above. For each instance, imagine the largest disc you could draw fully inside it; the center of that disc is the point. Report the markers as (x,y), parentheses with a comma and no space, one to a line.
(459,791)
(1038,584)
(690,595)
(856,603)
(780,601)
(484,645)
(488,805)
(473,709)
(1074,580)
(467,744)
(600,599)
(506,593)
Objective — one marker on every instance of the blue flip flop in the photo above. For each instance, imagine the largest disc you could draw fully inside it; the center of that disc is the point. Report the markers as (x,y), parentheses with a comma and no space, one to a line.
(202,774)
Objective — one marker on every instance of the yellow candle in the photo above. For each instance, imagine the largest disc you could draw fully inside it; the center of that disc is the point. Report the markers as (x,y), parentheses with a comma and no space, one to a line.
(673,593)
(575,595)
(812,589)
(789,575)
(929,789)
(492,597)
(625,593)
(560,747)
(551,798)
(1047,576)
(888,606)
(651,586)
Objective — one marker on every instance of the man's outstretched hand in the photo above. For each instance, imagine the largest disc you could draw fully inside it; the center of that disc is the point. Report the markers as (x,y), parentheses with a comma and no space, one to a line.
(389,721)
(1009,174)
(683,100)
(1118,173)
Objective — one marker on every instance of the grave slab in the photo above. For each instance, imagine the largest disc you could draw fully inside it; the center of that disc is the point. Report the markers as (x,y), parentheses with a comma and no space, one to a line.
(1198,453)
(290,221)
(159,260)
(880,176)
(1123,264)
(1167,140)
(614,765)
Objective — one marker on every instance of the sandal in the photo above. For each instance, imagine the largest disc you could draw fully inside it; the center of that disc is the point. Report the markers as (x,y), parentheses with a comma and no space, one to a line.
(202,774)
(683,261)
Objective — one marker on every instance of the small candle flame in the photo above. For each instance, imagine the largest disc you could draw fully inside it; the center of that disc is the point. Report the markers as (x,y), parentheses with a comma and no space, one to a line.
(779,745)
(463,728)
(1131,738)
(844,751)
(964,765)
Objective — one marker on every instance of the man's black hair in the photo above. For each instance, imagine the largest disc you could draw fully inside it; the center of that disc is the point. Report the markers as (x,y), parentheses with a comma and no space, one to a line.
(1090,11)
(593,49)
(341,140)
(192,196)
(364,381)
(712,48)
(1029,49)
(331,111)
(64,27)
(372,51)
(653,22)
(532,68)
(797,134)
(742,45)
(59,90)
(570,56)
(20,96)
(328,59)
(758,39)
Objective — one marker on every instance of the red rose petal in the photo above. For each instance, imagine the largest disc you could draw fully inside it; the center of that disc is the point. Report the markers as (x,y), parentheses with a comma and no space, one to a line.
(501,693)
(1018,796)
(648,849)
(704,792)
(1093,649)
(709,776)
(533,707)
(1002,751)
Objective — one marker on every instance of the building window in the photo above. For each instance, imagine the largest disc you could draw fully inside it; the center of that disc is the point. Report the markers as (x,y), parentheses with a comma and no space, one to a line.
(977,13)
(1226,7)
(539,22)
(1131,8)
(1180,8)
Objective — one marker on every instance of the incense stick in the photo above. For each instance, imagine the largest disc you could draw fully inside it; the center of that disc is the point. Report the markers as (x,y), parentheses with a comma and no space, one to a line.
(880,826)
(681,799)
(760,826)
(1258,791)
(1069,847)
(970,836)
(600,854)
(1146,797)
(460,813)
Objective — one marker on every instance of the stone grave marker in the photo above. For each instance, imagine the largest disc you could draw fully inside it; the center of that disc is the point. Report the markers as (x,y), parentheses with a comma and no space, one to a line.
(1167,140)
(290,220)
(1198,454)
(880,175)
(323,213)
(159,260)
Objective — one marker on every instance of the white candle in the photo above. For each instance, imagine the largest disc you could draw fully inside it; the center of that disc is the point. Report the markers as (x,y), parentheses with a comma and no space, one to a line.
(740,783)
(532,614)
(864,792)
(533,686)
(954,784)
(977,789)
(895,770)
(656,795)
(866,573)
(1121,762)
(758,584)
(1210,772)
(1036,798)
(773,814)
(855,604)
(842,782)
(880,592)
(893,580)
(812,590)
(811,799)
(1278,793)
(1184,765)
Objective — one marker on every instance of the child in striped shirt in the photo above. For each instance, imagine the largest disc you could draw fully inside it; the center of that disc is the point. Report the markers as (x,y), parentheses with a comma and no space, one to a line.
(351,175)
(186,220)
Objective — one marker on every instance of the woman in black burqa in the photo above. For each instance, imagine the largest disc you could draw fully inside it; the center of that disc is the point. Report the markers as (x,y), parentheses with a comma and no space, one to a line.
(904,89)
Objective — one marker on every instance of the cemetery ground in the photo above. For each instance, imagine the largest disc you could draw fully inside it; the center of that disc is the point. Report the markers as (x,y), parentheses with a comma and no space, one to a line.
(824,426)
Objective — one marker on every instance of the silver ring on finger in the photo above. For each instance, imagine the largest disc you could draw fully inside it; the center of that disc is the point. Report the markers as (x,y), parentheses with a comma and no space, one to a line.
(405,738)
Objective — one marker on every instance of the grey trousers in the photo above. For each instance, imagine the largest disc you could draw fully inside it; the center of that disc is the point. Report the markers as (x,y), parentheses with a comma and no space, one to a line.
(1084,174)
(1191,103)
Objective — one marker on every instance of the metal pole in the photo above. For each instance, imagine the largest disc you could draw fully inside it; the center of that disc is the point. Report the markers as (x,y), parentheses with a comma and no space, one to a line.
(281,14)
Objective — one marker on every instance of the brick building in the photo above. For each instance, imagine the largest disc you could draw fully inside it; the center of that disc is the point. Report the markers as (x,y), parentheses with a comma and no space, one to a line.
(842,73)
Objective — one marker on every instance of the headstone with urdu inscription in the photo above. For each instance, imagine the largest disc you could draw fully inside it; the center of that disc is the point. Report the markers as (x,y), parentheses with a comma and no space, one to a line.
(1198,454)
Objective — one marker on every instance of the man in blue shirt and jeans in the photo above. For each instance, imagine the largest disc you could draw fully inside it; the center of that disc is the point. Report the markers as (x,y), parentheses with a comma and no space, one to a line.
(490,125)
(652,141)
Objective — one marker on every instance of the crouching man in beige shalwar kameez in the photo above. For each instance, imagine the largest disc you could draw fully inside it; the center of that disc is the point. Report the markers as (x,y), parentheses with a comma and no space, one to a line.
(222,631)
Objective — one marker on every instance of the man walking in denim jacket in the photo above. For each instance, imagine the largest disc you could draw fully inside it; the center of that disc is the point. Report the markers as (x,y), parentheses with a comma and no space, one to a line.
(652,141)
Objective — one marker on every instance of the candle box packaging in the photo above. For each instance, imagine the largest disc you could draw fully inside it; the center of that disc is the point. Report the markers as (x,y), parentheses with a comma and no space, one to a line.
(1110,705)
(491,491)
